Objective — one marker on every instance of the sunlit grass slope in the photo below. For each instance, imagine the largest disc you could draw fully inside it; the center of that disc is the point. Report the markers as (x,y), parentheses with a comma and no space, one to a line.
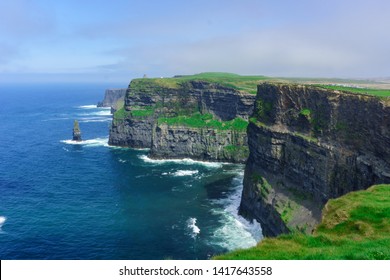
(354,226)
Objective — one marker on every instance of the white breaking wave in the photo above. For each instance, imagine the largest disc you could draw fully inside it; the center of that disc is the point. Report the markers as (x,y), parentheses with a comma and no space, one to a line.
(87,107)
(88,143)
(2,221)
(193,228)
(235,232)
(187,161)
(180,173)
(88,120)
(97,113)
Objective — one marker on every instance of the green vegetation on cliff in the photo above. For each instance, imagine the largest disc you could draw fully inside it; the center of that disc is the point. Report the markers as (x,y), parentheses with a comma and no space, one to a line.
(375,92)
(354,226)
(237,82)
(205,121)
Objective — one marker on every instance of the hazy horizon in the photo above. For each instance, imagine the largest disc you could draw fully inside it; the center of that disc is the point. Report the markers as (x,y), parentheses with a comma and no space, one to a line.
(113,42)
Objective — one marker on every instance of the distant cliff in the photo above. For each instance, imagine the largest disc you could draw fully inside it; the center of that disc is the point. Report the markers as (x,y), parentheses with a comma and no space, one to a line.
(113,98)
(307,145)
(181,117)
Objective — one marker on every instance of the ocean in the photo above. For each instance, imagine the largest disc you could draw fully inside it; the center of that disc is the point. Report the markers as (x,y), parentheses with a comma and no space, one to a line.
(65,200)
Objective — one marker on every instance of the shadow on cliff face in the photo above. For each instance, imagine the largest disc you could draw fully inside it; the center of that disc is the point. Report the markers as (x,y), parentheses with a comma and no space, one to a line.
(216,187)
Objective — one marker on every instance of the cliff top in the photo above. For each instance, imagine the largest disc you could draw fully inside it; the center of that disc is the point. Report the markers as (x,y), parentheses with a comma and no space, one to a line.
(354,226)
(336,88)
(237,82)
(249,83)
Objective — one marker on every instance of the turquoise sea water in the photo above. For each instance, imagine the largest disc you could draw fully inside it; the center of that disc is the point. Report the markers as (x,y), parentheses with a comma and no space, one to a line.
(62,200)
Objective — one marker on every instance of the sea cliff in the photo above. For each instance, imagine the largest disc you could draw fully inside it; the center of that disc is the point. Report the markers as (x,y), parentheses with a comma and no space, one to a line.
(308,145)
(184,117)
(113,98)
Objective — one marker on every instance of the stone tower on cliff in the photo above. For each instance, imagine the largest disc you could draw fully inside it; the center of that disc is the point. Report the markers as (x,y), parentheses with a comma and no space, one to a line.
(76,131)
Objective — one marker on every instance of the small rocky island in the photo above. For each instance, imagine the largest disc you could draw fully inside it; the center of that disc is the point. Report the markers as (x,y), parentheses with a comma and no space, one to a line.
(76,131)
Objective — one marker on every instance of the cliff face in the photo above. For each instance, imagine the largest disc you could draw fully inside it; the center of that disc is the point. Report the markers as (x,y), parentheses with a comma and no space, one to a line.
(113,98)
(199,143)
(308,145)
(195,119)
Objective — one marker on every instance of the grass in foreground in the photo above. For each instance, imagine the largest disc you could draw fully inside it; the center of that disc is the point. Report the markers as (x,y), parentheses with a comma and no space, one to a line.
(354,226)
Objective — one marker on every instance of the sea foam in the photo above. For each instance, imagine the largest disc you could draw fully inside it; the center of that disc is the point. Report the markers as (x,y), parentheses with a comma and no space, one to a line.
(88,143)
(235,232)
(88,120)
(193,228)
(87,107)
(181,173)
(3,219)
(185,161)
(97,113)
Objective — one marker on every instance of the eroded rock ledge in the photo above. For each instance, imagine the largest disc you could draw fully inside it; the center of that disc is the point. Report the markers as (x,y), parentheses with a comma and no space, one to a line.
(308,145)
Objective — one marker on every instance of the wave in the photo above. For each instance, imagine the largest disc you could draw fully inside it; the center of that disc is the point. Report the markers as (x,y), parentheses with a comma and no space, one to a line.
(180,173)
(97,142)
(98,113)
(193,228)
(186,161)
(88,120)
(235,232)
(87,107)
(3,219)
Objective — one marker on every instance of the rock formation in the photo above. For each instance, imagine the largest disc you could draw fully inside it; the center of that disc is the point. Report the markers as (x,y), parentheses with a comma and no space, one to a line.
(194,119)
(113,98)
(308,145)
(76,131)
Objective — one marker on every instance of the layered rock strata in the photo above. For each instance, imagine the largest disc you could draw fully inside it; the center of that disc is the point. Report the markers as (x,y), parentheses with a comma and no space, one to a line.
(308,145)
(194,119)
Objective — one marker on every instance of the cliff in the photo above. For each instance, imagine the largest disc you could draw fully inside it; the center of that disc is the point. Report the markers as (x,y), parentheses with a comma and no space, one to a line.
(113,98)
(308,145)
(184,117)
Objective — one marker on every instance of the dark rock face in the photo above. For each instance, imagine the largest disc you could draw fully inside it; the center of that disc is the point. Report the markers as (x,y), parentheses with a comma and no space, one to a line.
(132,132)
(316,142)
(111,98)
(178,141)
(76,131)
(204,144)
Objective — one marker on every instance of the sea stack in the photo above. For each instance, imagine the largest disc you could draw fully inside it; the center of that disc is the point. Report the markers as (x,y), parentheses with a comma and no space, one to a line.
(76,131)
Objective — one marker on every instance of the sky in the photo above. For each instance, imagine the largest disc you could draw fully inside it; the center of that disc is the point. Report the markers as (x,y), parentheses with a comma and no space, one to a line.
(117,40)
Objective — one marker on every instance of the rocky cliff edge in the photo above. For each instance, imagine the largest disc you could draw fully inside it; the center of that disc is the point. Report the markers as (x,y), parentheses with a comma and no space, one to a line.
(307,145)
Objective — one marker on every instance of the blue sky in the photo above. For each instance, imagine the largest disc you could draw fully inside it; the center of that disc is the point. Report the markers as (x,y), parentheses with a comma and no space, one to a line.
(118,40)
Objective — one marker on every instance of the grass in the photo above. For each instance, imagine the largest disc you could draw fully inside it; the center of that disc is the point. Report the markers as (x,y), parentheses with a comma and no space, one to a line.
(135,112)
(121,113)
(305,112)
(234,81)
(375,92)
(354,226)
(142,113)
(198,120)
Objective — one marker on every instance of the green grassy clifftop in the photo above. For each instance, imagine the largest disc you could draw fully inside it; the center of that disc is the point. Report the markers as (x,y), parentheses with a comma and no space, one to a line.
(354,226)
